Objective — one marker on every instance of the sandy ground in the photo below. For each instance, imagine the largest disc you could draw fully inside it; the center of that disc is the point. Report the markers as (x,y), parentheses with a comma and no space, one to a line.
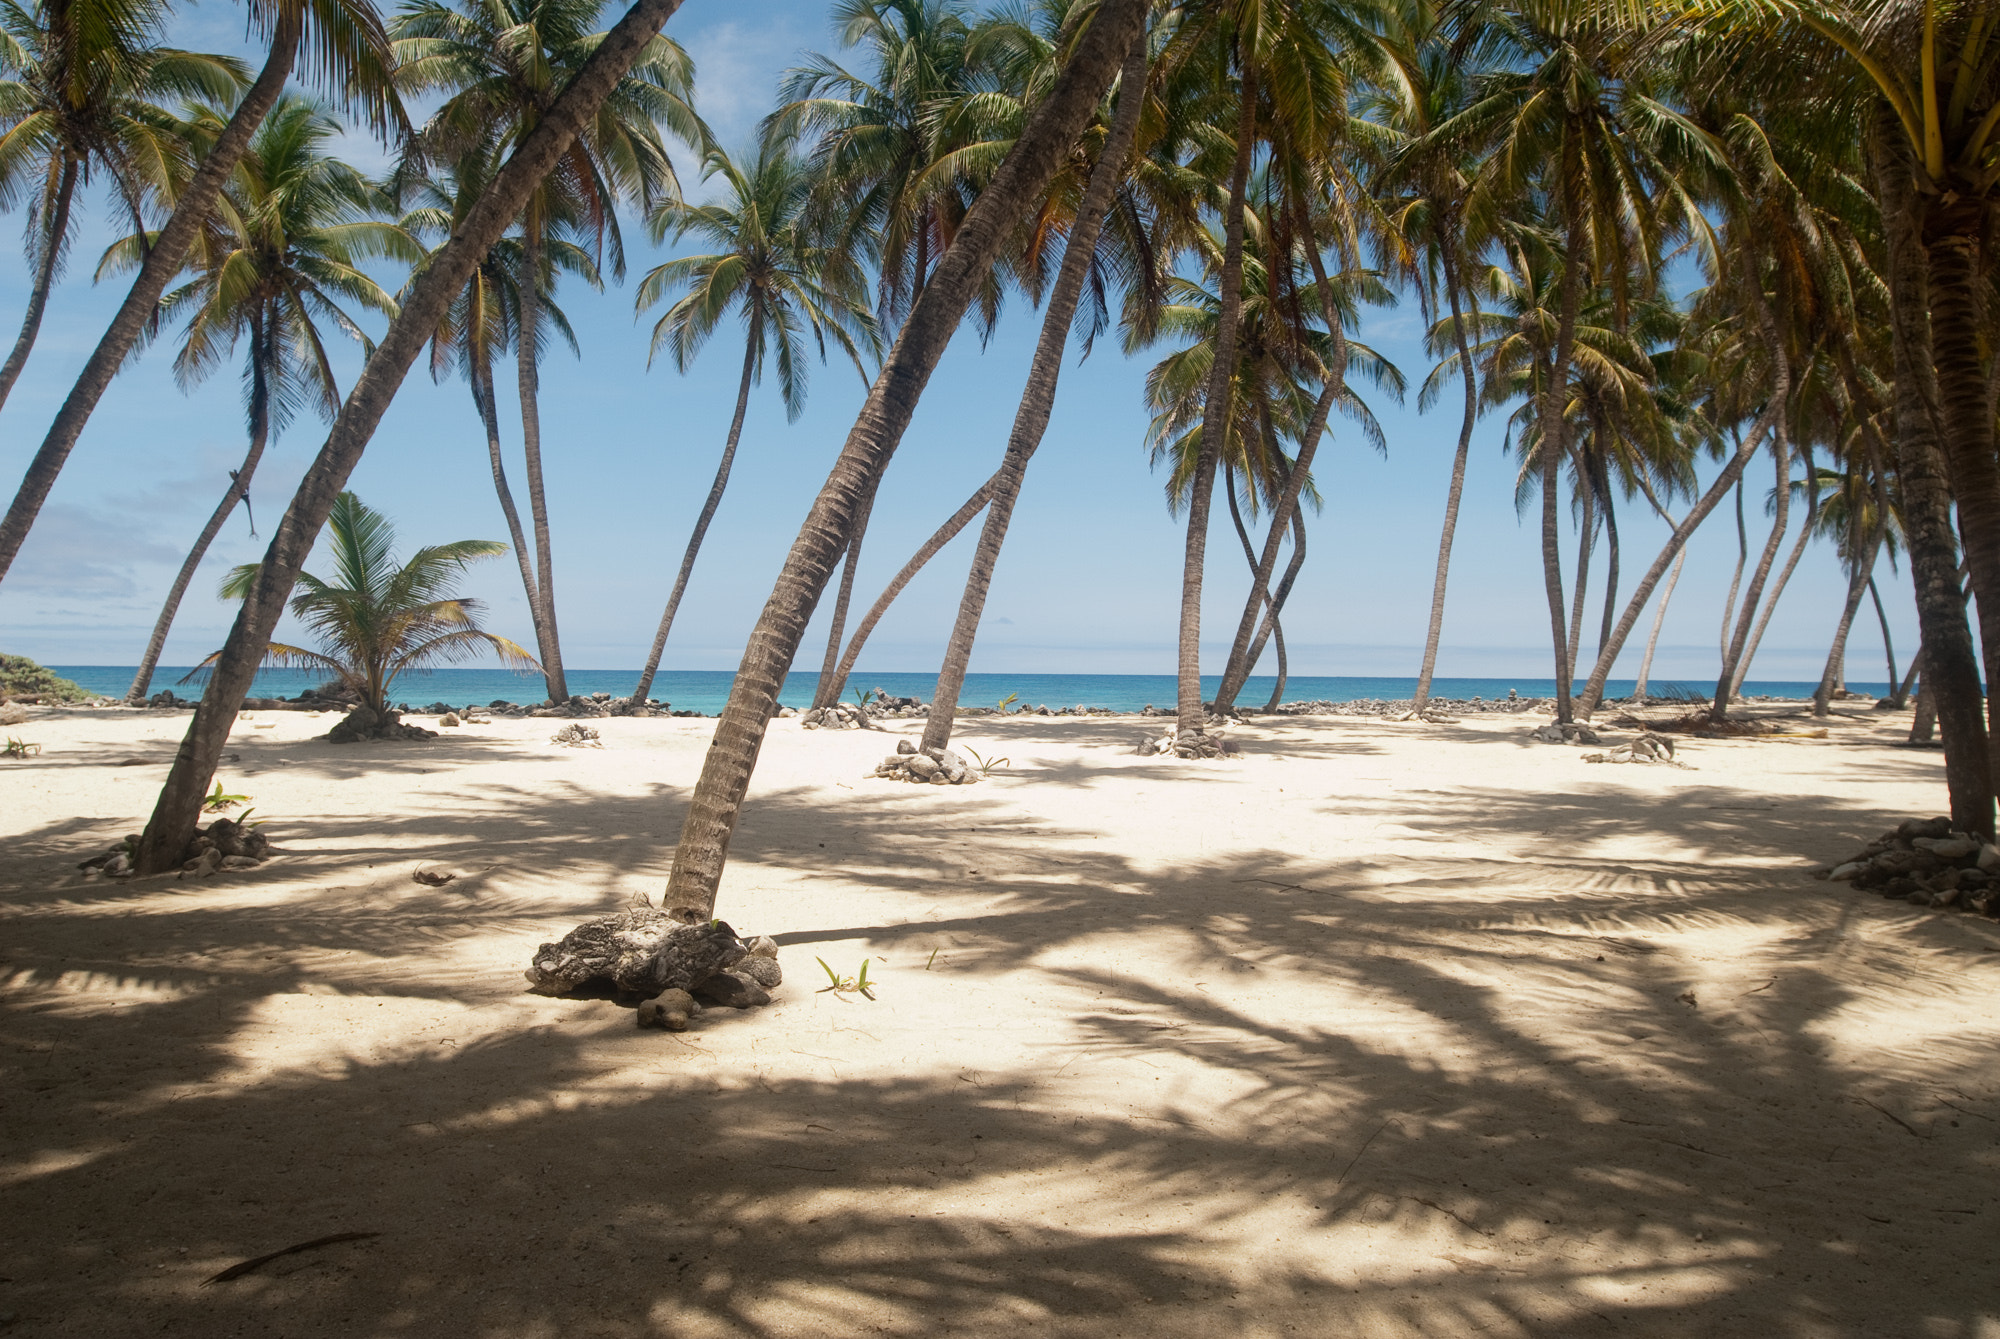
(1376,1030)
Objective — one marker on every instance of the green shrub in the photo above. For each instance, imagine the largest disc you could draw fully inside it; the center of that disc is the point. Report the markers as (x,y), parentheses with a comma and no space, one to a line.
(22,677)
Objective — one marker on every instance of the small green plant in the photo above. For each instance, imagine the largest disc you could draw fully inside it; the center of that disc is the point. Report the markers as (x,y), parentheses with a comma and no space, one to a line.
(19,748)
(864,695)
(217,802)
(985,767)
(845,985)
(1006,702)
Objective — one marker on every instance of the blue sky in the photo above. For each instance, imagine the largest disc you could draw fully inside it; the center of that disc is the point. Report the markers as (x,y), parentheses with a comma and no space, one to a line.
(1090,578)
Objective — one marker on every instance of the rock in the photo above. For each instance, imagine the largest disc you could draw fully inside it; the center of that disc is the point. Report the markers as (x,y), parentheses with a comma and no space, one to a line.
(204,864)
(450,718)
(764,971)
(788,711)
(576,737)
(1913,828)
(1946,882)
(921,766)
(763,946)
(118,865)
(906,746)
(1947,848)
(732,990)
(1989,857)
(1556,732)
(362,723)
(671,1010)
(1947,897)
(638,952)
(240,862)
(12,713)
(1971,879)
(1842,873)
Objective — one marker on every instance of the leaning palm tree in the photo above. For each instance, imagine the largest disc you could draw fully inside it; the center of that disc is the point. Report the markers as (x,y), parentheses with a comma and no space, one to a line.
(80,83)
(346,52)
(782,282)
(283,253)
(498,65)
(378,619)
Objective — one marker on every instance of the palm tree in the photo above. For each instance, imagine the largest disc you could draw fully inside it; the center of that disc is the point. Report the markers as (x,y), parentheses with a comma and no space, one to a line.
(499,66)
(783,284)
(1038,152)
(80,83)
(178,809)
(282,254)
(378,619)
(347,51)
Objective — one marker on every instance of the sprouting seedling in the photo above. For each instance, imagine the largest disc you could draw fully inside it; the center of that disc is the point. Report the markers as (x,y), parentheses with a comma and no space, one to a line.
(19,748)
(864,695)
(217,802)
(845,985)
(983,765)
(1007,702)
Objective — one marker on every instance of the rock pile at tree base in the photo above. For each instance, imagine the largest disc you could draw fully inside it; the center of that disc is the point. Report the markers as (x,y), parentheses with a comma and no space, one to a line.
(839,716)
(927,767)
(364,723)
(1560,732)
(1928,864)
(659,958)
(224,844)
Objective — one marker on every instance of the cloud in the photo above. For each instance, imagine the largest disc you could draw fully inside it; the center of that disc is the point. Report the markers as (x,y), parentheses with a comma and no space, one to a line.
(69,551)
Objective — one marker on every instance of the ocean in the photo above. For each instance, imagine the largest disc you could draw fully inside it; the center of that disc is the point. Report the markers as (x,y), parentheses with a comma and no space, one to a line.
(706,690)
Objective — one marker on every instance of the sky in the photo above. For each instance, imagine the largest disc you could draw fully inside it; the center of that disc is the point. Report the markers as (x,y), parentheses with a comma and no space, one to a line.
(1089,581)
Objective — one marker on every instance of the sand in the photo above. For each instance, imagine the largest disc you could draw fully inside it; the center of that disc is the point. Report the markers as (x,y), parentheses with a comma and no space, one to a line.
(1379,1029)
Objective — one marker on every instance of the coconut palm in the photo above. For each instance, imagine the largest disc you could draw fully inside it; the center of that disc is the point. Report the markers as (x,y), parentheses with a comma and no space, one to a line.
(81,83)
(498,66)
(1015,188)
(782,283)
(179,807)
(378,618)
(282,254)
(347,52)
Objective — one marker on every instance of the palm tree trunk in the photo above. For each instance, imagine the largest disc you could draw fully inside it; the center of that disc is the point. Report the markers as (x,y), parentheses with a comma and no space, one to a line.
(54,237)
(1038,398)
(827,691)
(645,687)
(1735,579)
(1586,541)
(1784,578)
(1659,620)
(1610,552)
(1284,669)
(1457,492)
(1901,697)
(1240,658)
(1923,724)
(1555,437)
(179,806)
(942,536)
(1725,682)
(527,365)
(1022,177)
(1951,665)
(262,356)
(485,398)
(1191,718)
(162,263)
(1269,629)
(1888,643)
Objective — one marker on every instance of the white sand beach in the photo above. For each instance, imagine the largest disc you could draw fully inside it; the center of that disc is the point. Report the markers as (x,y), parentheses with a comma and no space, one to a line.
(1378,1029)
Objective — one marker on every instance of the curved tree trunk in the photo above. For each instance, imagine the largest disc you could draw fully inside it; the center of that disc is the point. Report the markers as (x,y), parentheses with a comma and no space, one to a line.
(1610,554)
(1471,378)
(55,237)
(1038,399)
(645,687)
(527,368)
(1888,643)
(827,690)
(1659,620)
(1901,697)
(1555,438)
(486,400)
(179,806)
(1269,629)
(261,358)
(1284,669)
(1191,718)
(1586,541)
(940,537)
(1735,579)
(1951,664)
(162,263)
(1784,578)
(1726,681)
(1021,179)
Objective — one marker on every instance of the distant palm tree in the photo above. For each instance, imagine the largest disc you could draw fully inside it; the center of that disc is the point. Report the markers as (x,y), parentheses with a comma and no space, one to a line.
(781,281)
(80,81)
(499,65)
(282,253)
(379,619)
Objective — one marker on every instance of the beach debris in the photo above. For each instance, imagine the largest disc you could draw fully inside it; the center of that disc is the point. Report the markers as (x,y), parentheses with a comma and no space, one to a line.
(671,1010)
(365,723)
(242,1267)
(449,720)
(929,767)
(642,954)
(577,737)
(19,748)
(1565,732)
(432,878)
(1647,748)
(13,713)
(1925,862)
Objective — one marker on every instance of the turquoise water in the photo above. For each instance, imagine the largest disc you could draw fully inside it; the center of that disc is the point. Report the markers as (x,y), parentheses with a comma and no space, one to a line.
(706,690)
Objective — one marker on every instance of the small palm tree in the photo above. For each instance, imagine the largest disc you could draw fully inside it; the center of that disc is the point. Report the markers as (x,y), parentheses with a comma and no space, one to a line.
(782,283)
(378,619)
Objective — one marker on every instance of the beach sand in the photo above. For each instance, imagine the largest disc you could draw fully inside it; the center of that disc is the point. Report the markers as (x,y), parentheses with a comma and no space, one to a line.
(1378,1029)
